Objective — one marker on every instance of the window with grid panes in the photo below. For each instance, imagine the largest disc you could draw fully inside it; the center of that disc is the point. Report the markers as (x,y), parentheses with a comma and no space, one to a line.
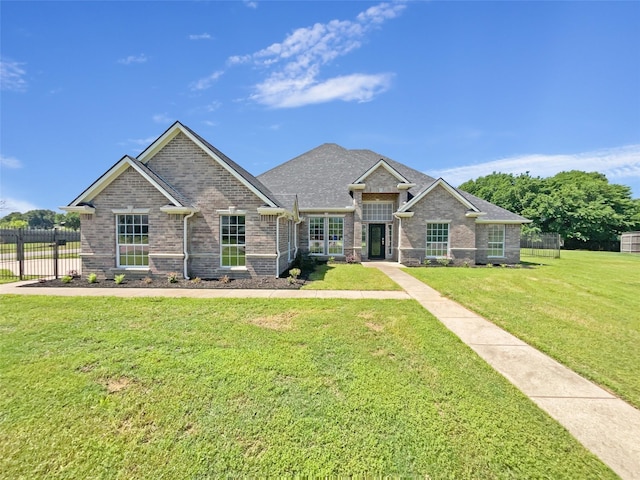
(133,240)
(377,212)
(232,240)
(326,235)
(437,240)
(496,241)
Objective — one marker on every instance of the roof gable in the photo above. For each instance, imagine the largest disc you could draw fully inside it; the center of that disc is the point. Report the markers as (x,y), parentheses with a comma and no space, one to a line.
(439,182)
(382,164)
(120,167)
(244,177)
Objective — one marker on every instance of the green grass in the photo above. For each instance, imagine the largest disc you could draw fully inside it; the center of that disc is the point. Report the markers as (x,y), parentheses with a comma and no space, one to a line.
(7,276)
(36,247)
(582,309)
(349,277)
(185,388)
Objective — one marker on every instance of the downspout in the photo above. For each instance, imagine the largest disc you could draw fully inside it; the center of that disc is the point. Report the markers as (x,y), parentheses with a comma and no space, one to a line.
(185,245)
(278,243)
(399,239)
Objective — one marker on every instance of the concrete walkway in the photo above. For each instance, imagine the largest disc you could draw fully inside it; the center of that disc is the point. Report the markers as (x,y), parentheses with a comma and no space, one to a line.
(607,426)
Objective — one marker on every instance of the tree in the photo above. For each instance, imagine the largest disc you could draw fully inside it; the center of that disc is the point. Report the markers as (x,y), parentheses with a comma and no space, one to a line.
(584,208)
(40,218)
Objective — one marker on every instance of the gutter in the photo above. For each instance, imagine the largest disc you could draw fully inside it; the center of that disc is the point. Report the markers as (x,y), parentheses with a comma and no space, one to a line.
(185,245)
(278,253)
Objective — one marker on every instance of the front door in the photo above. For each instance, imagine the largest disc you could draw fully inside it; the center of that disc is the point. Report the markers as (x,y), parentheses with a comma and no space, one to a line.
(376,241)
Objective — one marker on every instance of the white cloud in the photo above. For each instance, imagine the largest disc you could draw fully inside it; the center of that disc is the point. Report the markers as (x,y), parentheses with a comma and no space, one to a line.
(131,59)
(615,163)
(200,36)
(210,123)
(12,76)
(10,162)
(15,205)
(162,118)
(251,4)
(206,82)
(295,63)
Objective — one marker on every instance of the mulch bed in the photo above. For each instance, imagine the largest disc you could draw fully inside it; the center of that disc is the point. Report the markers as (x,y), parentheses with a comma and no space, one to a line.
(270,283)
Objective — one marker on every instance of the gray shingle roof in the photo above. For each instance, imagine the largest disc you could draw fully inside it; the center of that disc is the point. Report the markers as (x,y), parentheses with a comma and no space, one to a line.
(320,178)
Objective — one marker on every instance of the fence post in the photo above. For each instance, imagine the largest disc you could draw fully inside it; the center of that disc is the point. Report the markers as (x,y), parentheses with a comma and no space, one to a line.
(20,253)
(55,252)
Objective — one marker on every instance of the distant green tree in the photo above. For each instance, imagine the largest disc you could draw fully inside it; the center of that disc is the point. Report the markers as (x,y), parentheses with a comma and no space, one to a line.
(582,207)
(40,218)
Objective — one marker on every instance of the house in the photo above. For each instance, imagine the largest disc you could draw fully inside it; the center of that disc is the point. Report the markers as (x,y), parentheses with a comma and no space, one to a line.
(183,206)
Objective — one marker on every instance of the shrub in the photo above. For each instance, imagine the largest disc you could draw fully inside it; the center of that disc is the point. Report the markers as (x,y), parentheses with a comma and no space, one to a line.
(295,272)
(66,279)
(331,260)
(196,280)
(291,280)
(351,258)
(443,261)
(92,278)
(119,278)
(225,279)
(73,274)
(466,264)
(489,265)
(147,280)
(173,277)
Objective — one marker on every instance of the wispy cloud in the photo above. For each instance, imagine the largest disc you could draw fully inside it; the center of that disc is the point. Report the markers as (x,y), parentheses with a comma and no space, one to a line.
(16,205)
(141,142)
(200,36)
(132,59)
(162,118)
(10,162)
(12,76)
(206,82)
(616,163)
(295,64)
(251,4)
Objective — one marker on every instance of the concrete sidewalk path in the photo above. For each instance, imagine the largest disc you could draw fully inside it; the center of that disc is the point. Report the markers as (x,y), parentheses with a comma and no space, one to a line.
(606,425)
(16,288)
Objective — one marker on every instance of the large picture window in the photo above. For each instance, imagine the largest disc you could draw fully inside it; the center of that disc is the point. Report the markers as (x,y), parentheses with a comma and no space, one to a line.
(496,241)
(133,240)
(437,240)
(232,240)
(326,235)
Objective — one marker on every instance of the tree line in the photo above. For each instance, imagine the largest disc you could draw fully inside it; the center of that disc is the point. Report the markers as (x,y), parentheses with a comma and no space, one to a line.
(583,207)
(44,219)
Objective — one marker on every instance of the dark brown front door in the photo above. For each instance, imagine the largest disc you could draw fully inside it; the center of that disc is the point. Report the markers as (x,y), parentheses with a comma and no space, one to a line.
(376,241)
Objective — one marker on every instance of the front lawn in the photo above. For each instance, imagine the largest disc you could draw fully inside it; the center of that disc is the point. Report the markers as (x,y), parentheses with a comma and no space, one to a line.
(348,277)
(183,388)
(582,309)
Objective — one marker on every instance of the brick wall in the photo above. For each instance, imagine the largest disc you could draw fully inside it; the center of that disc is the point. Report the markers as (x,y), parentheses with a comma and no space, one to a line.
(511,246)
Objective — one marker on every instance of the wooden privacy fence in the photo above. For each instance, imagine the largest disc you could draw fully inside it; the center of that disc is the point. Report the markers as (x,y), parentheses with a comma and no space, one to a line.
(33,253)
(540,245)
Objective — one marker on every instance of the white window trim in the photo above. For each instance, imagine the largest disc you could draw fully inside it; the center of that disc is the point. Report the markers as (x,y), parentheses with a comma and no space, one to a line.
(236,213)
(448,254)
(130,211)
(504,241)
(325,233)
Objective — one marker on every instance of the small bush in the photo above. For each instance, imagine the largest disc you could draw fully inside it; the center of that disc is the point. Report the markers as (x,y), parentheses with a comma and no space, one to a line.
(92,278)
(489,265)
(518,265)
(173,277)
(67,279)
(466,264)
(196,280)
(295,272)
(119,278)
(225,279)
(291,280)
(331,260)
(427,262)
(351,258)
(73,274)
(147,280)
(443,261)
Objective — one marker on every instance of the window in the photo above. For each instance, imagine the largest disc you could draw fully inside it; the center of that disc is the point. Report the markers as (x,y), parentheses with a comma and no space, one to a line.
(326,235)
(437,240)
(133,240)
(377,212)
(496,241)
(232,240)
(389,240)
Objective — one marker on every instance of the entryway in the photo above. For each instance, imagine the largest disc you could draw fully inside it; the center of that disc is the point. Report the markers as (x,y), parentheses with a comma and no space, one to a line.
(376,250)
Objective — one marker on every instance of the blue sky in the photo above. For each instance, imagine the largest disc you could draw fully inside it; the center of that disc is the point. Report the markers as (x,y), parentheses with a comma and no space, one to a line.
(453,89)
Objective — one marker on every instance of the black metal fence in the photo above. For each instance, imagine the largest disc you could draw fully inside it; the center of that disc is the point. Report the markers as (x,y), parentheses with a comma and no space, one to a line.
(540,245)
(33,254)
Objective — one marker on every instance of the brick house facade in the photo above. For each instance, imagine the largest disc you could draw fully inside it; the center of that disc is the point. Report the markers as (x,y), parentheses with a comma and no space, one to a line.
(183,206)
